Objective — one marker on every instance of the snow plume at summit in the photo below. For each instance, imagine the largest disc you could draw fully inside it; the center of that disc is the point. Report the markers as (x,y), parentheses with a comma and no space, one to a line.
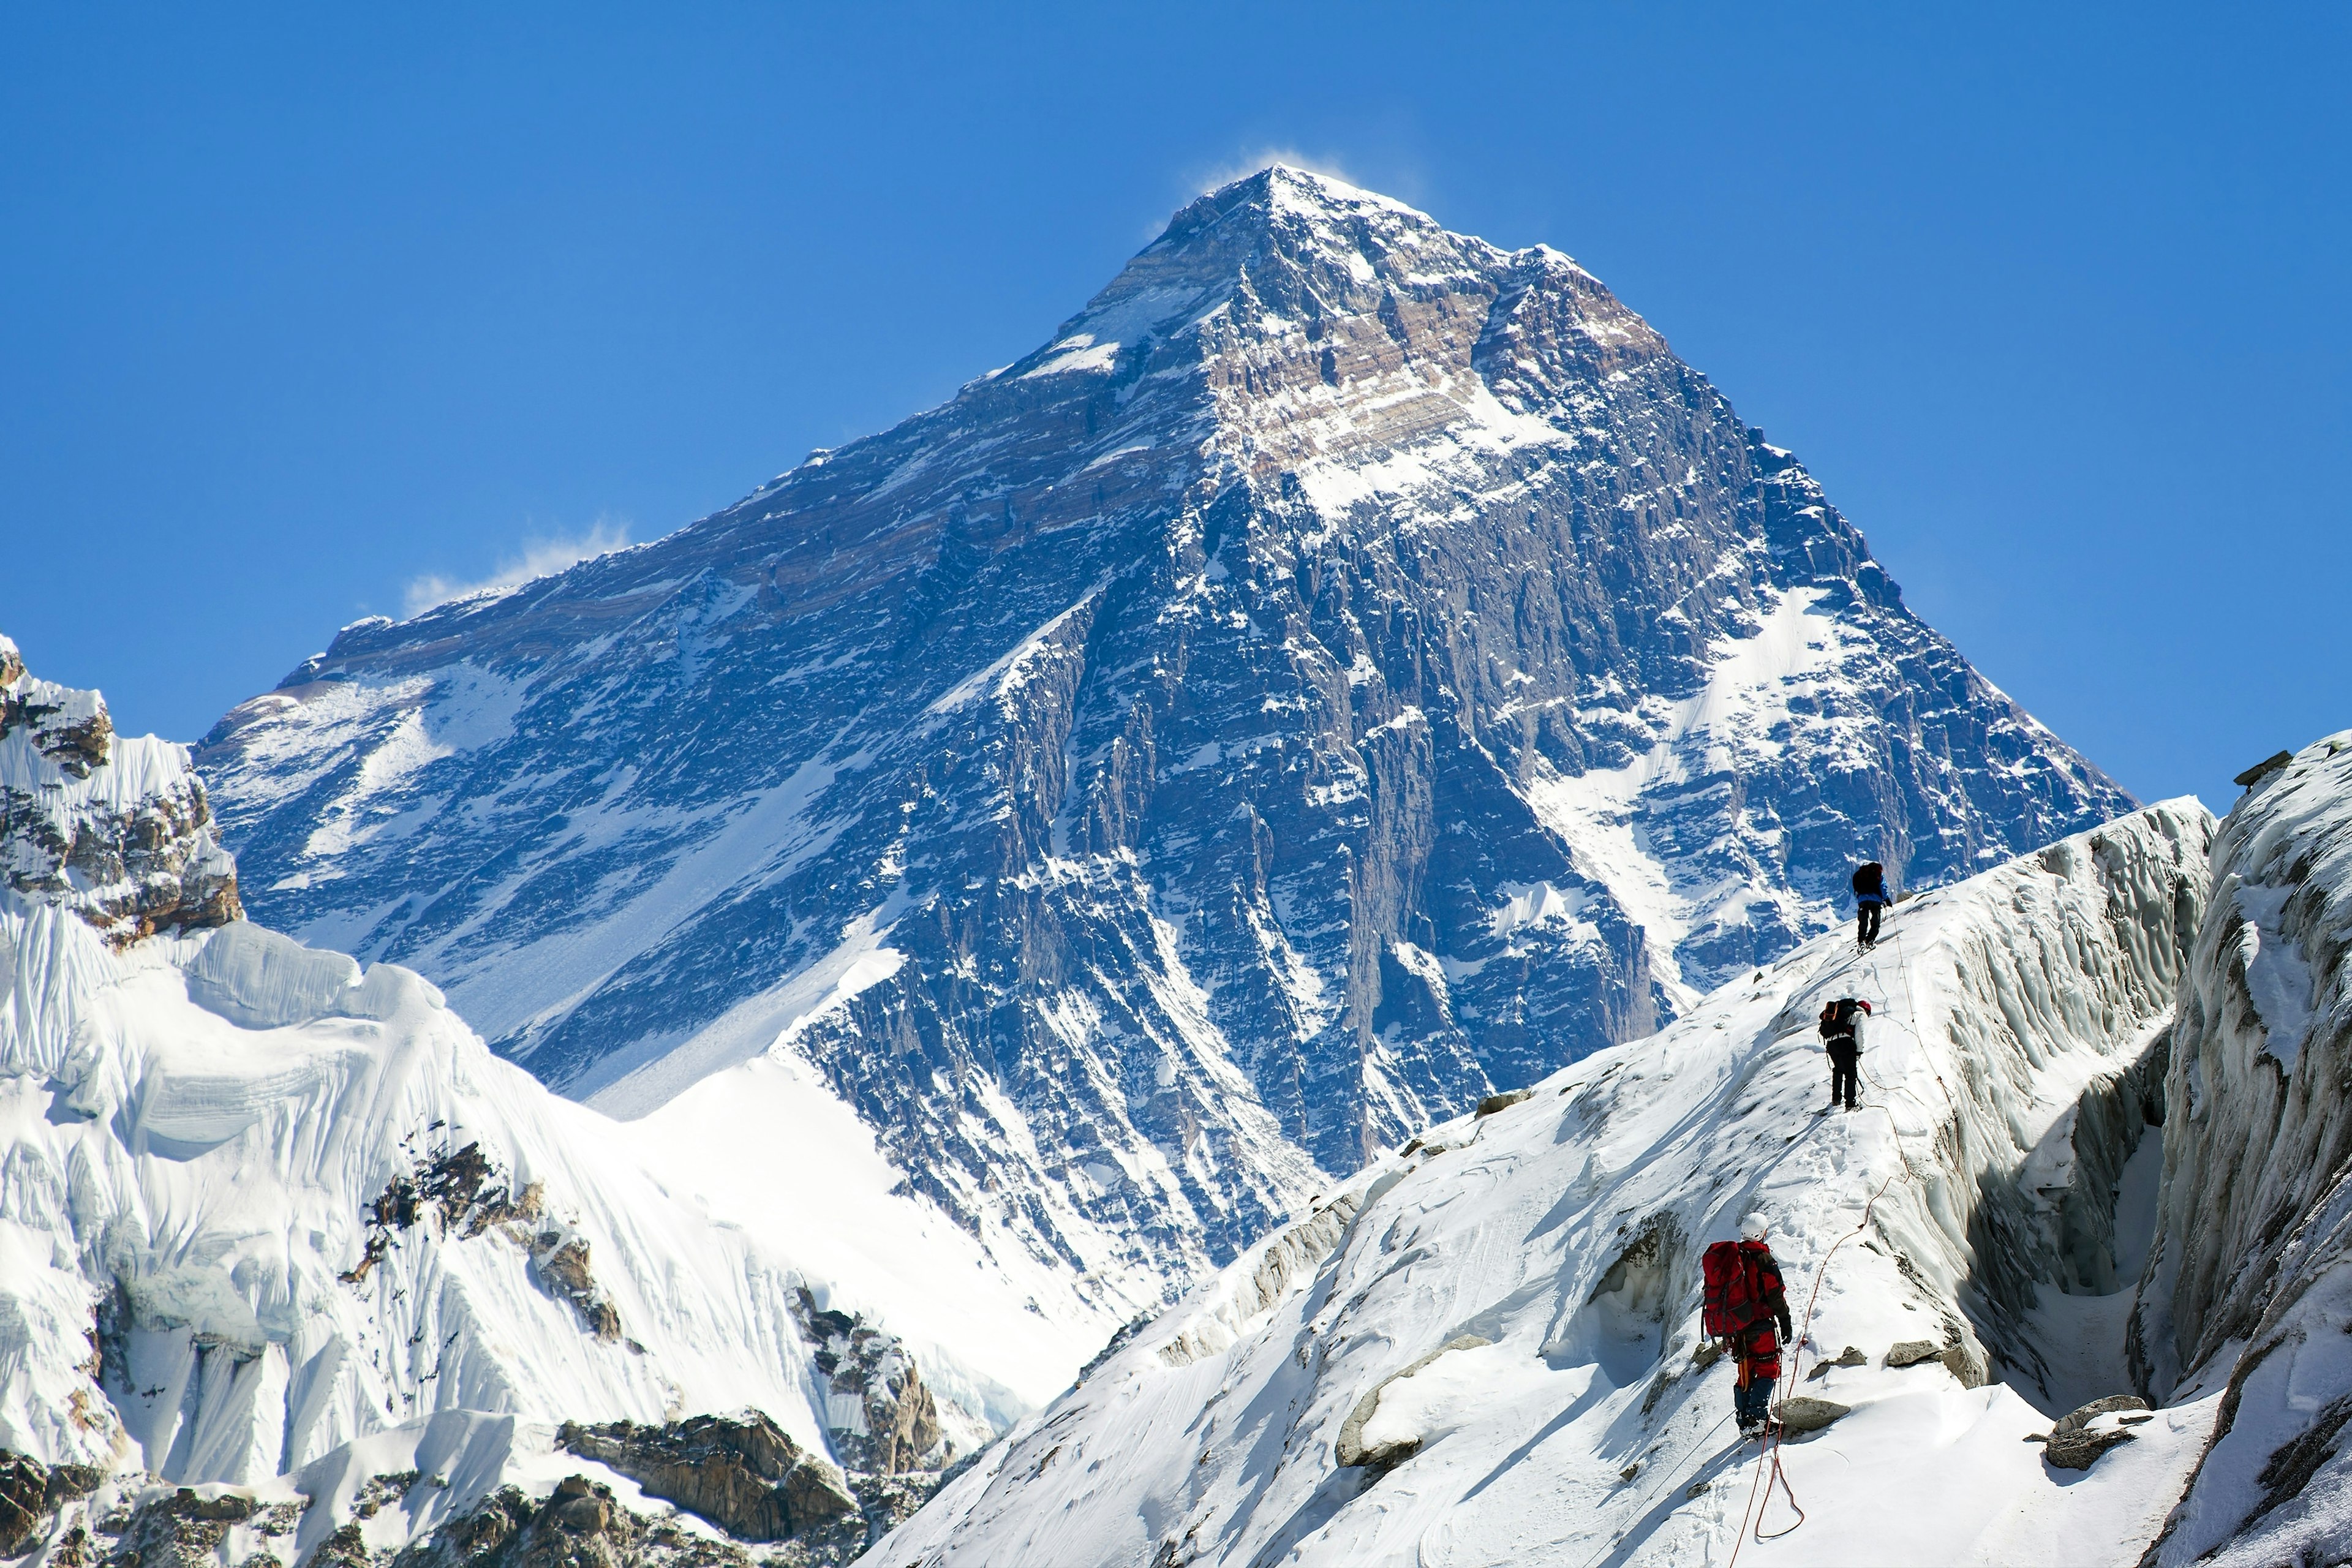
(540,557)
(1348,667)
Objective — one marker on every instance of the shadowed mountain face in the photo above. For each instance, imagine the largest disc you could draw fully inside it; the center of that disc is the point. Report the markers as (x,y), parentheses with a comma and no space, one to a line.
(1350,667)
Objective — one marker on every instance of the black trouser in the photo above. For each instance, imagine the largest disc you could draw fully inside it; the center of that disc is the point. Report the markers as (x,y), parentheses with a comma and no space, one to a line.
(1751,1397)
(1845,1057)
(1865,920)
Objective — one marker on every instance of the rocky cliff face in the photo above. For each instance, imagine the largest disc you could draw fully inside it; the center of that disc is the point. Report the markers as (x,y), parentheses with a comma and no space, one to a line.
(116,830)
(1350,667)
(2251,1276)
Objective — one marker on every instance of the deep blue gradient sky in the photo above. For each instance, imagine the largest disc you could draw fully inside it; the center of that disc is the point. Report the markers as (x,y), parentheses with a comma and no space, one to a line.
(297,309)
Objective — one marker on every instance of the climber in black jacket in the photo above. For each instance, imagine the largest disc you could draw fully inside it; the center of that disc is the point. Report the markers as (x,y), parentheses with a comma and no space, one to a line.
(1869,899)
(1841,1033)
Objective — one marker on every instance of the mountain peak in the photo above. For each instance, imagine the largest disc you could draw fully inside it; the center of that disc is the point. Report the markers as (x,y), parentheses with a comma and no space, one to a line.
(1291,187)
(1294,209)
(1350,666)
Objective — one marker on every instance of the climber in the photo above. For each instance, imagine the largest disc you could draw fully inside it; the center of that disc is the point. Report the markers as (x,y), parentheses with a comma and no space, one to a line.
(1869,899)
(1841,1033)
(1744,1301)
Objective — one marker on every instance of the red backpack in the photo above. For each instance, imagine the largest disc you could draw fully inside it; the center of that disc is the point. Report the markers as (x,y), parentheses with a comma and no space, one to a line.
(1731,1302)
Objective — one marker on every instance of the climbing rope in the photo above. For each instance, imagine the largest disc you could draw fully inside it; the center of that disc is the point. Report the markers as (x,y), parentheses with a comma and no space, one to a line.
(1769,1471)
(1771,1457)
(1669,1473)
(1909,1024)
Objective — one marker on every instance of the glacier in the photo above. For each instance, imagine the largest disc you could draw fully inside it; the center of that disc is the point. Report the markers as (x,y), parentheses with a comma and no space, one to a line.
(1349,669)
(2251,1281)
(1484,1348)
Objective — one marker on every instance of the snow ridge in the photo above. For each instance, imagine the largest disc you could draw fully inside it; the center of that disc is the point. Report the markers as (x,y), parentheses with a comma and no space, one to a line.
(1540,1267)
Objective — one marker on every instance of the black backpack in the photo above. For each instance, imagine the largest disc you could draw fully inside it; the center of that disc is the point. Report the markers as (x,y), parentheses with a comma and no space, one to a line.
(1841,1019)
(1870,878)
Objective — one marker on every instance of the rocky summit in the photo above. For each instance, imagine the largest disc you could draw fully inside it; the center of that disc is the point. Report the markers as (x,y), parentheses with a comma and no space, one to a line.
(1350,669)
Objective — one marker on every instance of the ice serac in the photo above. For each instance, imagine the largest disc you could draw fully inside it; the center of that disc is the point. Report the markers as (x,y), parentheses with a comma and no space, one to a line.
(2251,1283)
(1350,668)
(1487,1348)
(115,829)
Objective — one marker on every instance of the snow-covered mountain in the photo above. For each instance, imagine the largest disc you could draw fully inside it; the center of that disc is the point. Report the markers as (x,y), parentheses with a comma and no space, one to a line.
(1347,669)
(1483,1349)
(276,1223)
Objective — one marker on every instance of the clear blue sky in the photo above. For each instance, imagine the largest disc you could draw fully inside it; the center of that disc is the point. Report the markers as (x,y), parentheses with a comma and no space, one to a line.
(298,307)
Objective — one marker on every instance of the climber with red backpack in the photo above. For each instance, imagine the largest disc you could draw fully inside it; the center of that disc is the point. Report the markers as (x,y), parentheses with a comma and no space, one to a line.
(1842,1036)
(1745,1302)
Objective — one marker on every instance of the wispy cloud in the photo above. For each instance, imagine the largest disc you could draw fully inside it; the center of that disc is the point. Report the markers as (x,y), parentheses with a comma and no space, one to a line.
(541,557)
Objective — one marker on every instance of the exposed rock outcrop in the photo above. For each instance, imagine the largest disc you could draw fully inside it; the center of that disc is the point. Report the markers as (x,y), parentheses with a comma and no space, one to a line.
(2080,1438)
(581,1524)
(879,1416)
(30,1490)
(740,1472)
(1806,1413)
(75,1516)
(117,830)
(466,1194)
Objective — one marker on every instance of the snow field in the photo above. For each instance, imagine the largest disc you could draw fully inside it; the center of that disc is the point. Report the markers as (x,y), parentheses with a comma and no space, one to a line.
(1566,1230)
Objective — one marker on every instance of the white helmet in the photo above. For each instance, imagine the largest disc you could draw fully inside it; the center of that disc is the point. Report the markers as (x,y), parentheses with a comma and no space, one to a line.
(1752,1228)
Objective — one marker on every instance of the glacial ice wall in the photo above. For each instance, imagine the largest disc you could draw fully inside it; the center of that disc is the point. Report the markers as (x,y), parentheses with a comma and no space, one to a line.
(239,1241)
(2252,1268)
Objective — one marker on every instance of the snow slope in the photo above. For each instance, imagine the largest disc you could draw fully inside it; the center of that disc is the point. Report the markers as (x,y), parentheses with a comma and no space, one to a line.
(1555,1245)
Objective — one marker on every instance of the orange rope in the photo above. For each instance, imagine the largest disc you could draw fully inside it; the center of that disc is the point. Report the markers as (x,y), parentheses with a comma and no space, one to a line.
(1771,1457)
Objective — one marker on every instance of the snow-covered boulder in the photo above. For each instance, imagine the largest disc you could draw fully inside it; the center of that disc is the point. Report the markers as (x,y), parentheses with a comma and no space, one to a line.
(1568,1230)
